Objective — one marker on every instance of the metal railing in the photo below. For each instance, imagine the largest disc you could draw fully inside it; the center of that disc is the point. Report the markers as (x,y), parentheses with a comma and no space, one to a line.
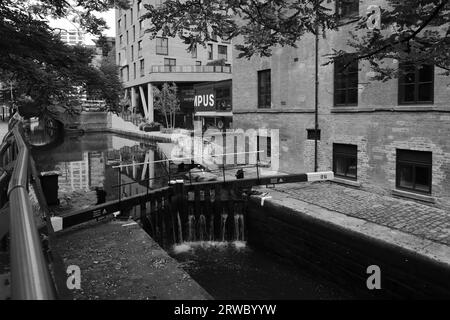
(191,69)
(30,276)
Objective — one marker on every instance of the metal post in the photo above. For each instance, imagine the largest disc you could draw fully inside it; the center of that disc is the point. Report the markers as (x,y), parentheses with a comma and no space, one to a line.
(119,178)
(223,171)
(257,170)
(316,119)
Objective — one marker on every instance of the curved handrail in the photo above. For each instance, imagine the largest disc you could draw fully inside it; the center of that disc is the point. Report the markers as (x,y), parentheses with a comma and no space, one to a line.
(30,277)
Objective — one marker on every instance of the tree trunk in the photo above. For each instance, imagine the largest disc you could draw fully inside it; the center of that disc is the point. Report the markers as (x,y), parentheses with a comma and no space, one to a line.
(165,116)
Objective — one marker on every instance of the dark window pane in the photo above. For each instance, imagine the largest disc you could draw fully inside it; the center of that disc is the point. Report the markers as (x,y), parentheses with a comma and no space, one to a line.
(341,96)
(422,179)
(406,177)
(353,80)
(416,84)
(264,89)
(351,169)
(345,160)
(408,93)
(346,81)
(352,96)
(426,73)
(425,92)
(341,82)
(409,78)
(423,157)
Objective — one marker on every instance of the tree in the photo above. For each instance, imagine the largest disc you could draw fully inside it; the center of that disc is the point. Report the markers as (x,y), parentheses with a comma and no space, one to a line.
(105,84)
(166,101)
(421,33)
(46,70)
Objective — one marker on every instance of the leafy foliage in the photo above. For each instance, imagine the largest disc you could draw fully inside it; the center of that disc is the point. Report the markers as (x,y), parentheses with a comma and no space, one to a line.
(166,101)
(415,30)
(43,67)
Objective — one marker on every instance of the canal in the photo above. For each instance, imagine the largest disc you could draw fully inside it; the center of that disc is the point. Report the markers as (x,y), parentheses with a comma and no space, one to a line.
(225,269)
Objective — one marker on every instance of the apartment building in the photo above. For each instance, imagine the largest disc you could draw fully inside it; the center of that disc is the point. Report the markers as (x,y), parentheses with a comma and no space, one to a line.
(72,36)
(146,63)
(389,137)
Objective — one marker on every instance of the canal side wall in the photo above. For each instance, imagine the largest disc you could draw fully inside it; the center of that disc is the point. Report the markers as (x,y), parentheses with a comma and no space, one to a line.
(342,248)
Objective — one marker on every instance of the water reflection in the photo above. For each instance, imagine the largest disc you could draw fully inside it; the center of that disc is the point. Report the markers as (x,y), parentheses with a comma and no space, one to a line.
(87,162)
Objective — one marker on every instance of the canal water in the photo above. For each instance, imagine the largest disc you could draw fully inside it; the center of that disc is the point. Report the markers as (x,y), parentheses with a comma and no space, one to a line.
(85,163)
(225,269)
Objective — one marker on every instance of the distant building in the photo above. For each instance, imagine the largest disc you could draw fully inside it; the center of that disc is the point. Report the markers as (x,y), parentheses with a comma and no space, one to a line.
(73,36)
(145,63)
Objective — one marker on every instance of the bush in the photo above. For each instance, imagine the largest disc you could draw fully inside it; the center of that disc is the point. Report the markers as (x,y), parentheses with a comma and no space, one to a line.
(153,126)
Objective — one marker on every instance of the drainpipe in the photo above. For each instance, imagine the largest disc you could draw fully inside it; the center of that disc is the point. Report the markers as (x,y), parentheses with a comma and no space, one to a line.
(316,101)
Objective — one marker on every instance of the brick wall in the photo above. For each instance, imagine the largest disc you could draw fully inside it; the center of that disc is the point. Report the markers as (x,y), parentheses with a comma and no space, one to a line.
(378,125)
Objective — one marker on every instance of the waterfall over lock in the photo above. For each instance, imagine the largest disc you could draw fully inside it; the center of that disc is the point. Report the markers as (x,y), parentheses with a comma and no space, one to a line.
(196,222)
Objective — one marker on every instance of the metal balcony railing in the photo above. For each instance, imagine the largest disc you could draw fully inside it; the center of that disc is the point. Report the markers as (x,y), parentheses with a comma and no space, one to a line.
(191,69)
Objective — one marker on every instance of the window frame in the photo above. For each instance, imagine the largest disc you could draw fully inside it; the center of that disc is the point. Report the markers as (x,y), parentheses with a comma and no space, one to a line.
(219,54)
(347,155)
(210,52)
(413,164)
(169,66)
(346,74)
(350,15)
(417,83)
(161,46)
(142,67)
(259,87)
(139,48)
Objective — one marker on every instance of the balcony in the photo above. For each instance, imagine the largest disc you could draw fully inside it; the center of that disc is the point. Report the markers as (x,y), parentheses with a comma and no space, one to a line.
(191,69)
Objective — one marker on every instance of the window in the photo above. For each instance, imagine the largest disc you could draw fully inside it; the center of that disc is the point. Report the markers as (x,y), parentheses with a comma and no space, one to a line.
(134,70)
(121,74)
(194,52)
(414,171)
(264,89)
(198,63)
(125,21)
(128,73)
(127,36)
(162,46)
(345,160)
(169,64)
(134,33)
(345,82)
(140,48)
(142,68)
(120,58)
(416,84)
(347,8)
(131,16)
(139,6)
(223,52)
(132,53)
(121,39)
(210,51)
(119,24)
(267,145)
(141,31)
(311,134)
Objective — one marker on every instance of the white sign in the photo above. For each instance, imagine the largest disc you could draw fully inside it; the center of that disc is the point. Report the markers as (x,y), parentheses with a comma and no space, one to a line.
(204,100)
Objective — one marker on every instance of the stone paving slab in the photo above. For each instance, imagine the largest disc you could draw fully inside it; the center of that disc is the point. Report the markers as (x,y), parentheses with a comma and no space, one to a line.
(119,261)
(404,215)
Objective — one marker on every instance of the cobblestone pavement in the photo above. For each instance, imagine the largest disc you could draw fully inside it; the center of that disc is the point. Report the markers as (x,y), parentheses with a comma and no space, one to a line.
(407,216)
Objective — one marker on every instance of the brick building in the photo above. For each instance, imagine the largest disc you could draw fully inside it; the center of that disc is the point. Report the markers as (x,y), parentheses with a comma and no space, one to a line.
(389,137)
(145,63)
